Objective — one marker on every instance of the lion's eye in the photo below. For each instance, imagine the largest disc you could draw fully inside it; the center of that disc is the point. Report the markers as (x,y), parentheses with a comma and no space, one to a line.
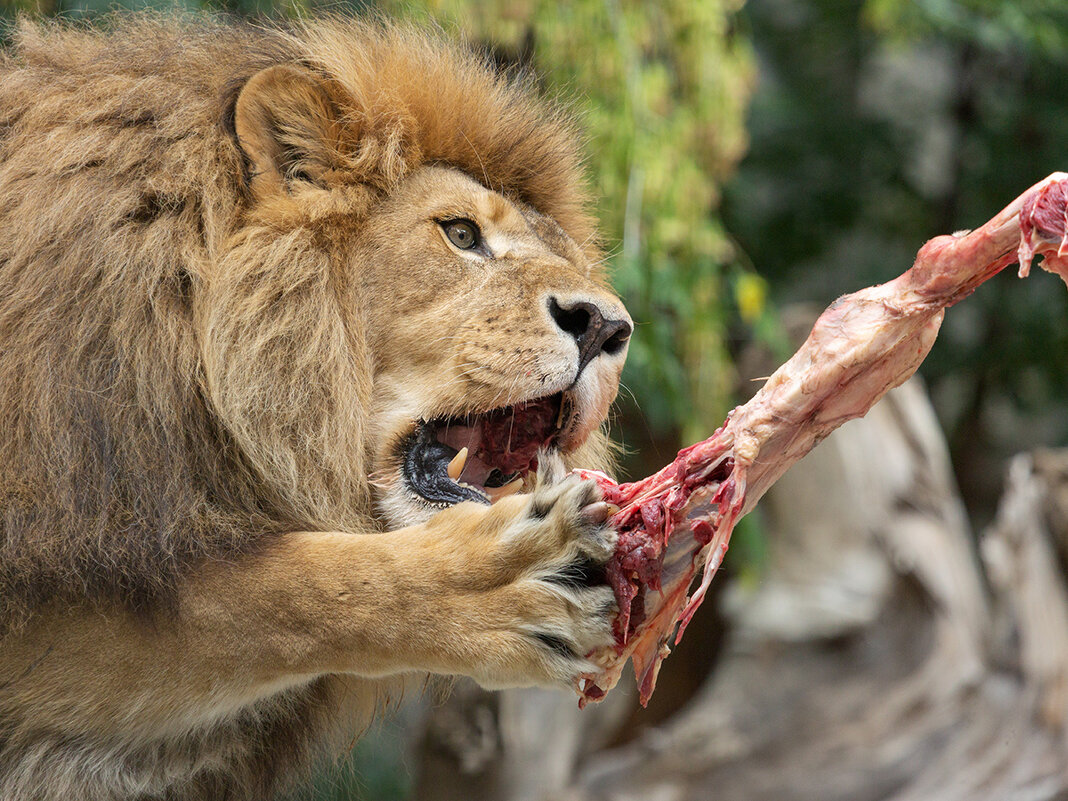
(462,233)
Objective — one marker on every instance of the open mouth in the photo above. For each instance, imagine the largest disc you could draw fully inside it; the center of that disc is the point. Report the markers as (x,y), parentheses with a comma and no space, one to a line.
(483,457)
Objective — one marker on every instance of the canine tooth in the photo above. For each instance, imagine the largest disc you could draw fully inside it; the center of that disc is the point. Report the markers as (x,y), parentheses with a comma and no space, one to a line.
(496,493)
(456,466)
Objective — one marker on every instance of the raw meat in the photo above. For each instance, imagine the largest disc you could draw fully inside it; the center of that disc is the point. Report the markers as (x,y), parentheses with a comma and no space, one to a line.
(863,345)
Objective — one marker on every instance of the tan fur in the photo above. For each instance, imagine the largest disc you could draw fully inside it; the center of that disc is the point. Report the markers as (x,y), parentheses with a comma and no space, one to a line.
(226,299)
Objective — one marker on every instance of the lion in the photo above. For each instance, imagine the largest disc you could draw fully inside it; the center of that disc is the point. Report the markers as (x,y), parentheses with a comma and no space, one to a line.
(300,330)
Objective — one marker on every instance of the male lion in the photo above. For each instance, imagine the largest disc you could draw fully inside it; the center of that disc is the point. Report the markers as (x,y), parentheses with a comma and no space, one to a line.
(258,290)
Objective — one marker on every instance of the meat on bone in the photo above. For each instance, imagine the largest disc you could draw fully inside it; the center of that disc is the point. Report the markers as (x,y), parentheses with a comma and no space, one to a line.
(680,519)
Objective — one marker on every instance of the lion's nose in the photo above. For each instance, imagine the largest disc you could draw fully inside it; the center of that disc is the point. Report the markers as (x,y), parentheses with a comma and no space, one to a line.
(585,321)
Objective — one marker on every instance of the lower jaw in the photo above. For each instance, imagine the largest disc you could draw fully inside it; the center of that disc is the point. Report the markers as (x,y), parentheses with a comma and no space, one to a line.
(449,488)
(422,473)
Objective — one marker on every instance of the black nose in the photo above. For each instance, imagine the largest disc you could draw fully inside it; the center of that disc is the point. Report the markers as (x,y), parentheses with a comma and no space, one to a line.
(595,335)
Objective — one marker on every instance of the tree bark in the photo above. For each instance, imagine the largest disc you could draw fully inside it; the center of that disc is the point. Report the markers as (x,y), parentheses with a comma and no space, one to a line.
(878,658)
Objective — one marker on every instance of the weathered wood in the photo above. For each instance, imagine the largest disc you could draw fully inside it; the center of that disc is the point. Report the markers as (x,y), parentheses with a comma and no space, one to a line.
(878,658)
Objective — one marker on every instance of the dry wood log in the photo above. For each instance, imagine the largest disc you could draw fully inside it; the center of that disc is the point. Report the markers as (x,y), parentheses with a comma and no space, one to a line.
(870,663)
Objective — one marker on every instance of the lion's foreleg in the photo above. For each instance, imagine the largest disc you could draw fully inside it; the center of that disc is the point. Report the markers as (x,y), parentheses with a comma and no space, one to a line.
(476,591)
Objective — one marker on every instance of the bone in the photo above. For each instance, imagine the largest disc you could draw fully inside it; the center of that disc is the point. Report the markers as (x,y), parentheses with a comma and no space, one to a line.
(456,466)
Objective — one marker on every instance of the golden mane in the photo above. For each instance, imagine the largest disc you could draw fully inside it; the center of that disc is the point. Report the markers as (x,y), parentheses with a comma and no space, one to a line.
(120,180)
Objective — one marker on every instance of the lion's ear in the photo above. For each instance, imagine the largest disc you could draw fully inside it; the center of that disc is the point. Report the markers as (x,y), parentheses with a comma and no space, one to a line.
(286,123)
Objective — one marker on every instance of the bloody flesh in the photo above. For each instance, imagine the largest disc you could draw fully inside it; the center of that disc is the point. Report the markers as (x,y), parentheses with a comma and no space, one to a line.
(863,345)
(511,437)
(504,441)
(1043,219)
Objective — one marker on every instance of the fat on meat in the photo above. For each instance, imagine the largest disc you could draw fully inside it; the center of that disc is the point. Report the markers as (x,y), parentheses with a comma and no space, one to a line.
(680,519)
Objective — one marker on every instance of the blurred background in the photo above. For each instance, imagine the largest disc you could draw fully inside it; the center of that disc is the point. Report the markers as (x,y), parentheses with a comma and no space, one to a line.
(886,613)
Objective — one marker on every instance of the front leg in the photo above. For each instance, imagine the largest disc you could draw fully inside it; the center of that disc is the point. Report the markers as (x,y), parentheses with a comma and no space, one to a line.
(510,595)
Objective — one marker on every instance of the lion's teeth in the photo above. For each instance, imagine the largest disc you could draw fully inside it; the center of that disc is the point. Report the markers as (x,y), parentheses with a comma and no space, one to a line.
(567,405)
(456,466)
(496,493)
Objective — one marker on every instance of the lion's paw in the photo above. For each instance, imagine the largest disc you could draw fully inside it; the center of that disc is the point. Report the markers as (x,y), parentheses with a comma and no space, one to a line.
(557,603)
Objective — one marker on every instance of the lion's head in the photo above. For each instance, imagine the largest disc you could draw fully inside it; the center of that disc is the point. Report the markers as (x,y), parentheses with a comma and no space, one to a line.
(489,334)
(296,274)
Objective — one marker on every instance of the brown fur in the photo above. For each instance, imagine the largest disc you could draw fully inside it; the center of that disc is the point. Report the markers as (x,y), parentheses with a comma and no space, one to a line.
(223,303)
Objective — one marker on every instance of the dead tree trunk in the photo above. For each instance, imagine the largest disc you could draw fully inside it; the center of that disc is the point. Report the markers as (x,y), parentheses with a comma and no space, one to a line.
(879,657)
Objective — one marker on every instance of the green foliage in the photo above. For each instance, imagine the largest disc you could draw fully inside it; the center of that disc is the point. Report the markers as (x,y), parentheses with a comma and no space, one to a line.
(881,123)
(994,25)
